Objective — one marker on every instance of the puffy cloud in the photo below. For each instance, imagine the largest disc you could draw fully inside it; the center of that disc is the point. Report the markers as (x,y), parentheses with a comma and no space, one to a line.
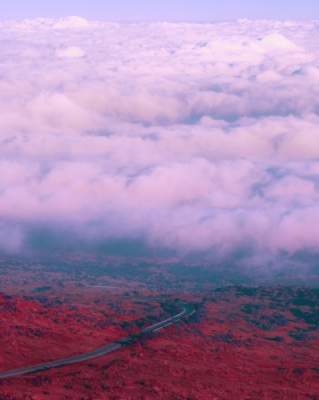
(276,41)
(73,22)
(70,52)
(195,137)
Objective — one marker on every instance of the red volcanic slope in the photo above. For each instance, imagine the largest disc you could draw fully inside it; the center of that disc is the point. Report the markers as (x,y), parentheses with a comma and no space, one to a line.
(32,332)
(243,344)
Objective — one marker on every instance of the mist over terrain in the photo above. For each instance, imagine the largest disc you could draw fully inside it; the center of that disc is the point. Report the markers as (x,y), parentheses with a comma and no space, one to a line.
(192,138)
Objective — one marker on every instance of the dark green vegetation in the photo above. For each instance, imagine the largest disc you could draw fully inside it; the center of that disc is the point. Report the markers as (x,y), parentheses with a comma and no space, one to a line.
(162,273)
(273,308)
(41,289)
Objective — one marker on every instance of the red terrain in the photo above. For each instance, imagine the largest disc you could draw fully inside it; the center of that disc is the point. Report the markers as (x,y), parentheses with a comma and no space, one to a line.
(243,343)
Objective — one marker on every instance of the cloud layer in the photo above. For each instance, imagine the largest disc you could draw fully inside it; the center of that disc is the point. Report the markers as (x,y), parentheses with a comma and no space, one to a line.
(195,137)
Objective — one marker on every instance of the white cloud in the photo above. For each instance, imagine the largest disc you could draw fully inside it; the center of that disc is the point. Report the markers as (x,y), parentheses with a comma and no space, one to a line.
(73,22)
(276,41)
(193,136)
(70,52)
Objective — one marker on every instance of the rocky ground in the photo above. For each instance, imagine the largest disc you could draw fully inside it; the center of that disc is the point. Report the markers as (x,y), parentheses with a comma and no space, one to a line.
(244,342)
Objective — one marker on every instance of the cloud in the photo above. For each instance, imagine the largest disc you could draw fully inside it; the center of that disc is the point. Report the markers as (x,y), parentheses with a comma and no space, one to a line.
(192,137)
(70,52)
(276,41)
(73,22)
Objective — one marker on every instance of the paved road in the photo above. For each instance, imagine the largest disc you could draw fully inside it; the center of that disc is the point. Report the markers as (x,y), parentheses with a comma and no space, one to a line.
(109,348)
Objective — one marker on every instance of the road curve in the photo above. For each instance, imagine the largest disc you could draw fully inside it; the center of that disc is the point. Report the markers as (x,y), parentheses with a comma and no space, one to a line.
(101,351)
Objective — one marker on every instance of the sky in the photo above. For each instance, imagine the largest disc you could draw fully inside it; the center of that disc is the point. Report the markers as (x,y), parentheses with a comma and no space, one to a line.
(172,10)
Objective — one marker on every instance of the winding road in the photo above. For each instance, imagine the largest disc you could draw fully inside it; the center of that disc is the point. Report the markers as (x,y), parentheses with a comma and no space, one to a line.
(109,348)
